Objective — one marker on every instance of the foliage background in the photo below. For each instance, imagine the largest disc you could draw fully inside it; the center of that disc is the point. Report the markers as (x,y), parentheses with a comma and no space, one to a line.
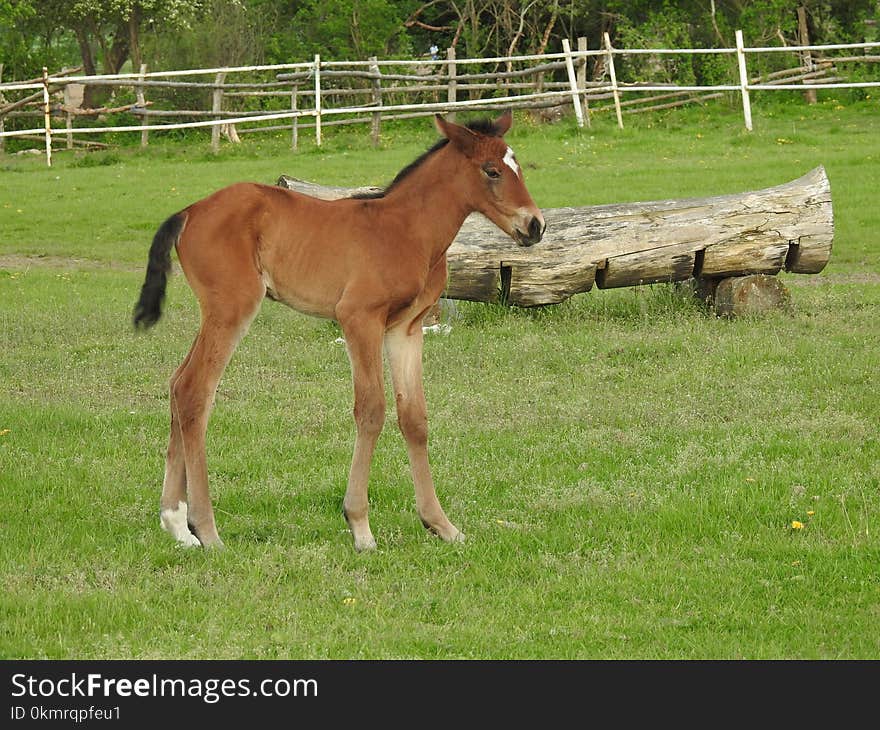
(108,35)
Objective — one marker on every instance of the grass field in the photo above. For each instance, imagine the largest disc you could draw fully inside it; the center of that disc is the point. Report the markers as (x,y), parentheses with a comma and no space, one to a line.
(627,467)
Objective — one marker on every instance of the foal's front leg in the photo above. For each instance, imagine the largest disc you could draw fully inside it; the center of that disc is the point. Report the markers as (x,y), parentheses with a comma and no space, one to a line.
(363,340)
(405,358)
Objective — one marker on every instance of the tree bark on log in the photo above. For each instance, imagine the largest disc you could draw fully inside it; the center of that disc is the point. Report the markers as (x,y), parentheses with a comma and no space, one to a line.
(790,227)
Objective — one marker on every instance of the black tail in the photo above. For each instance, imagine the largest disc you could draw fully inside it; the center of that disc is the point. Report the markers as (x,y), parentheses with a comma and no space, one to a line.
(149,306)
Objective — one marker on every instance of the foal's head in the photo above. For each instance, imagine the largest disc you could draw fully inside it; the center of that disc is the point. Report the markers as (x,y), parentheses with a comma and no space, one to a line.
(494,179)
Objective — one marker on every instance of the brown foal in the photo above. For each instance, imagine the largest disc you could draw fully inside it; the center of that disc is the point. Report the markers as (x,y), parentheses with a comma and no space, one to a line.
(376,264)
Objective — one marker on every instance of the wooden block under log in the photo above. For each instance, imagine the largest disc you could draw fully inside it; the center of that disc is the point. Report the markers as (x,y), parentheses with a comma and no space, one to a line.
(753,294)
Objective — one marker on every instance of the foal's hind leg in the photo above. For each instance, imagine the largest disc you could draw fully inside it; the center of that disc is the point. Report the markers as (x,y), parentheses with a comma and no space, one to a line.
(193,397)
(172,505)
(405,358)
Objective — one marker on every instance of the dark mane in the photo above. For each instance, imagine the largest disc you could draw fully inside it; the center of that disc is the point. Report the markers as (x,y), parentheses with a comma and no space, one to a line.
(480,126)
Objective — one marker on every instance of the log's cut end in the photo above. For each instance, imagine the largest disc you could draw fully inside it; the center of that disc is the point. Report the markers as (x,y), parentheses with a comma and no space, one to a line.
(811,250)
(788,227)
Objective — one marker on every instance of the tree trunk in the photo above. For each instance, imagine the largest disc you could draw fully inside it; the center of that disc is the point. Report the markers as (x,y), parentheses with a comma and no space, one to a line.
(134,39)
(85,51)
(788,227)
(806,56)
(117,52)
(91,94)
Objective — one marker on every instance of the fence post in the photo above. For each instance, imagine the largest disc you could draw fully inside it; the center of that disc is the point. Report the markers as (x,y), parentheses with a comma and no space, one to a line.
(217,107)
(582,80)
(743,80)
(142,102)
(376,83)
(539,83)
(2,117)
(294,129)
(572,80)
(47,121)
(318,99)
(68,117)
(613,75)
(453,84)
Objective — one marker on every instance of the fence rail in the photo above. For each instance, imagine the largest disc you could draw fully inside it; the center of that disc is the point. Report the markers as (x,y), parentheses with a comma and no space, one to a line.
(320,93)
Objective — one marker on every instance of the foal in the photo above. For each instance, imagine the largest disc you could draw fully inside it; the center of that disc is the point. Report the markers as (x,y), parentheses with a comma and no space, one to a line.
(376,264)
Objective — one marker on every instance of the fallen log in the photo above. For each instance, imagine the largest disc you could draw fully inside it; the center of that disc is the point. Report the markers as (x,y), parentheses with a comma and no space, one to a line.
(790,227)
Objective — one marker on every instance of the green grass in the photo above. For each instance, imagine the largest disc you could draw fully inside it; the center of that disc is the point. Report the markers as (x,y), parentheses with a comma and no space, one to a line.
(627,467)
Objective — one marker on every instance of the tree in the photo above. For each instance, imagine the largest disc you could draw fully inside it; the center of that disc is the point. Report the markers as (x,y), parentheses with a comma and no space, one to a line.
(348,29)
(105,34)
(110,30)
(29,40)
(114,26)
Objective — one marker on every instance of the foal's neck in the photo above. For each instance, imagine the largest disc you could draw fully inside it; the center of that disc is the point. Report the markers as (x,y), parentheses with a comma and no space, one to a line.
(433,200)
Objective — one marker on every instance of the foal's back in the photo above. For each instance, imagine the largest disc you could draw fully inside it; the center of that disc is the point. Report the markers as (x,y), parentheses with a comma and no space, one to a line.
(304,250)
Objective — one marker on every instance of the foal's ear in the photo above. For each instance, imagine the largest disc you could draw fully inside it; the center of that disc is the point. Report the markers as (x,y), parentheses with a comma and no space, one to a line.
(462,137)
(504,122)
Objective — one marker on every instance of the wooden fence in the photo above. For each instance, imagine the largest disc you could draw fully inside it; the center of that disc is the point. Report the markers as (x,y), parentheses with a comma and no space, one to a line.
(319,93)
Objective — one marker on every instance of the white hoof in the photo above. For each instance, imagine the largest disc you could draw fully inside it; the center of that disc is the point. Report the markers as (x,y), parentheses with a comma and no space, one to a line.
(188,540)
(174,522)
(362,544)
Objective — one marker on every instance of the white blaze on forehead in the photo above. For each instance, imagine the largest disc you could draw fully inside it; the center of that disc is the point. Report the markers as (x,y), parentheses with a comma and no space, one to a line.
(510,162)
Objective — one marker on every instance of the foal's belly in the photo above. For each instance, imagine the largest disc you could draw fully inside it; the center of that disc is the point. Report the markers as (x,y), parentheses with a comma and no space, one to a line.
(308,300)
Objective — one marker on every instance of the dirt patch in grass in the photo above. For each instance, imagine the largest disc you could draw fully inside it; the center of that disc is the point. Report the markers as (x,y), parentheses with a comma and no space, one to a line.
(860,277)
(19,262)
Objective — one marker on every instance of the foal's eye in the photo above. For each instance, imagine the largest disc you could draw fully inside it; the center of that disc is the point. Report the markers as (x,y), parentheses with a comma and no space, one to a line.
(492,173)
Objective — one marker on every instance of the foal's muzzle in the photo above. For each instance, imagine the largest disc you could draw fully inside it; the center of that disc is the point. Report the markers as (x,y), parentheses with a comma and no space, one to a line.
(532,234)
